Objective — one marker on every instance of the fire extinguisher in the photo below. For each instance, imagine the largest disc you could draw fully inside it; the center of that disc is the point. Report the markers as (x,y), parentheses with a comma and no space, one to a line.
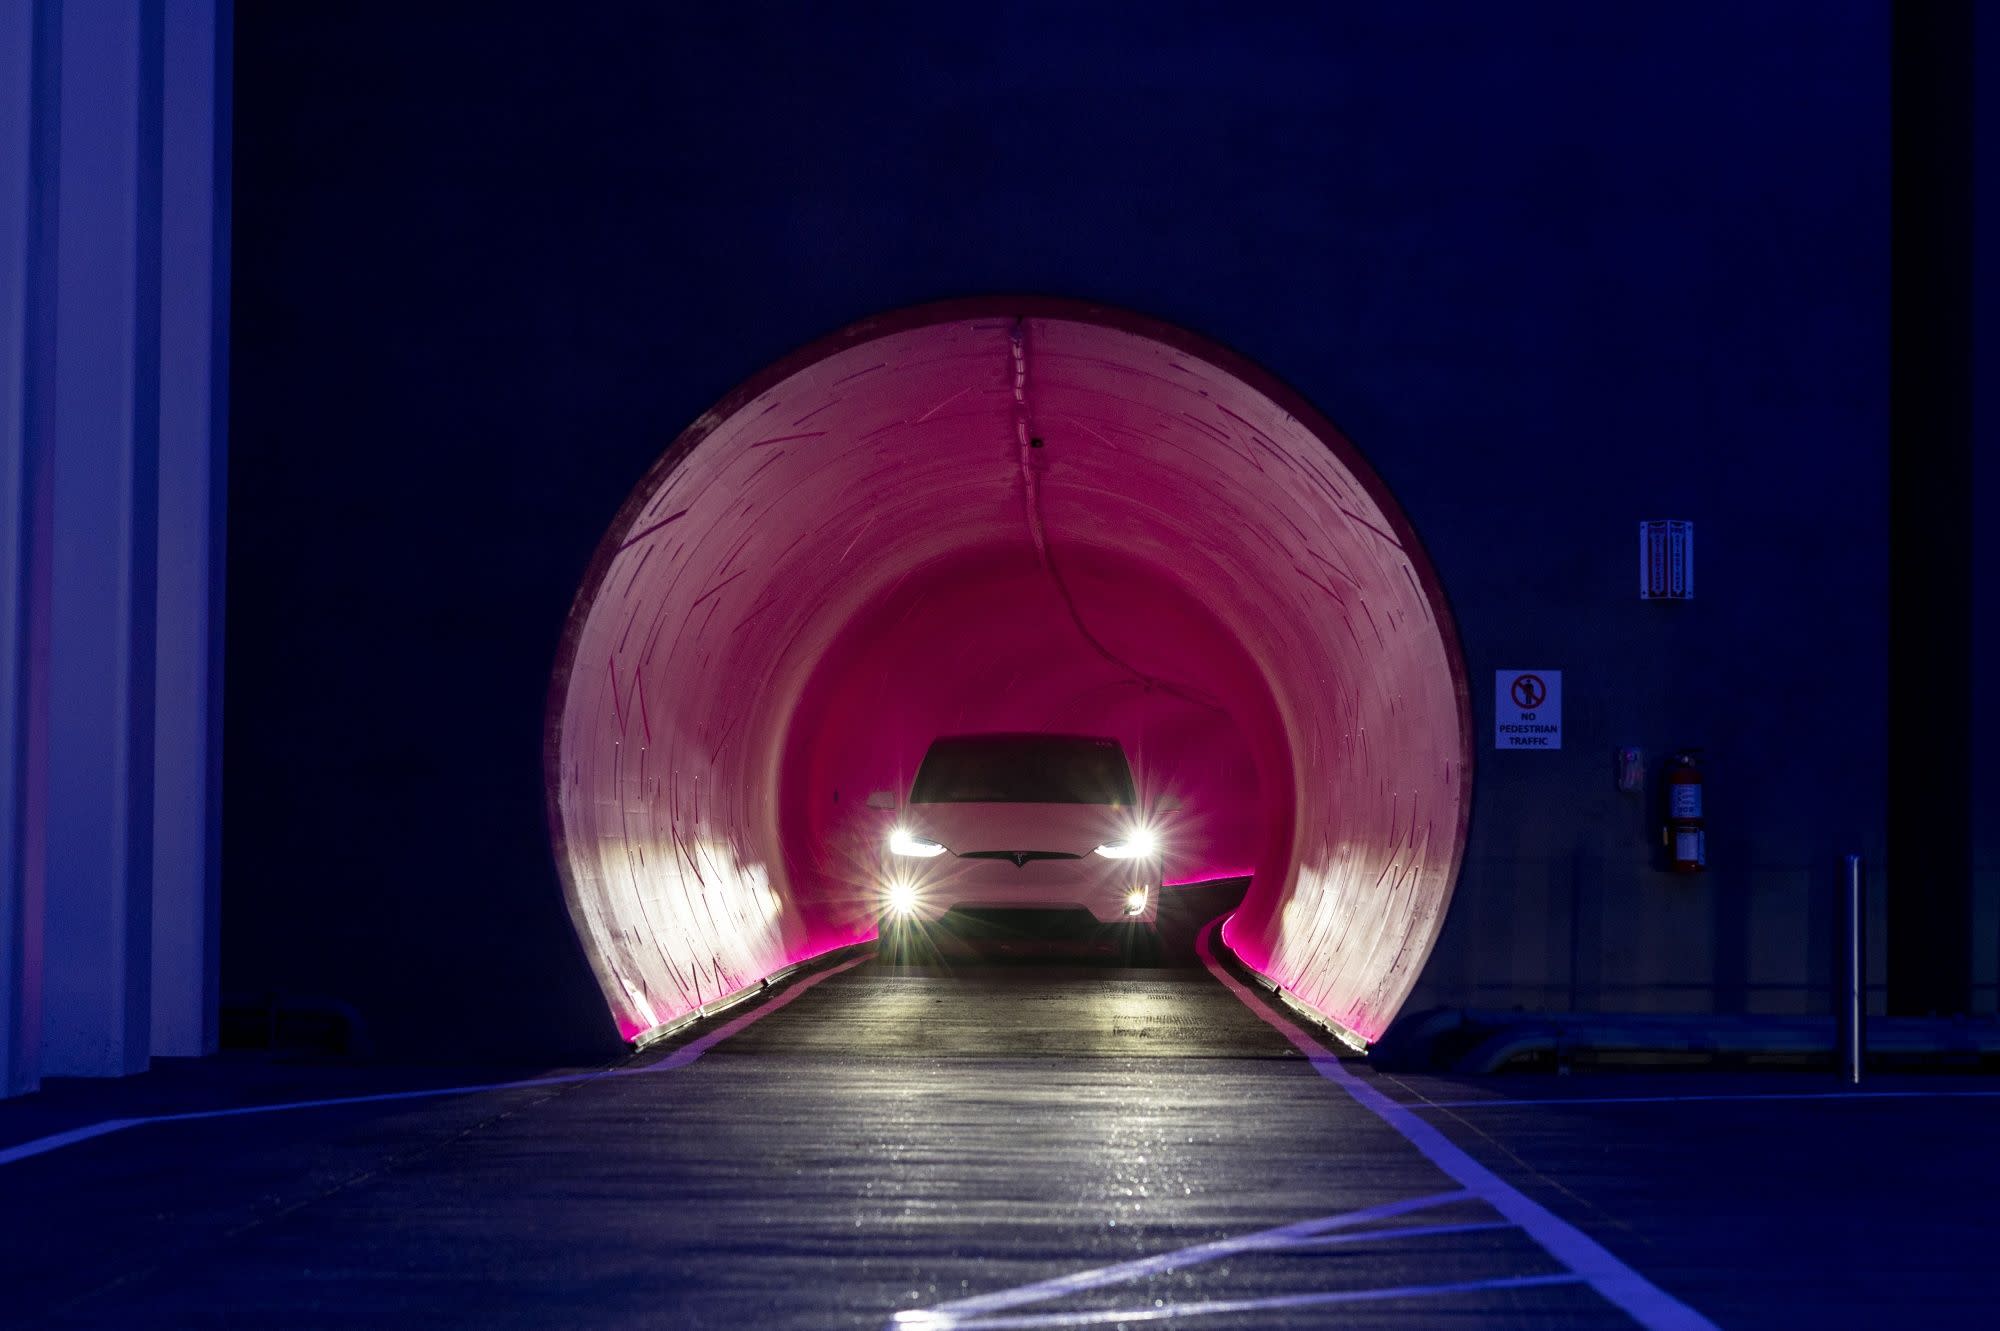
(1683,832)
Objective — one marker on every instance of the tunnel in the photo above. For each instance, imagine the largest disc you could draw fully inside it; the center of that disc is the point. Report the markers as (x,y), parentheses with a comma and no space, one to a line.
(1005,514)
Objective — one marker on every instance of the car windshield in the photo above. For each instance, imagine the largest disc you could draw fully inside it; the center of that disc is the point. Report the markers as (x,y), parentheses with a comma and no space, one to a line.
(1023,769)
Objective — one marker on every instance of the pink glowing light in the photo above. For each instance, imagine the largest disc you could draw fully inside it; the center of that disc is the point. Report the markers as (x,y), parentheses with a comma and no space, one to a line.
(998,516)
(1208,876)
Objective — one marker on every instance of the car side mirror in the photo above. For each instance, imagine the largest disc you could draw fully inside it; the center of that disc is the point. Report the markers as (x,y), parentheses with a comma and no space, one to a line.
(882,799)
(1169,804)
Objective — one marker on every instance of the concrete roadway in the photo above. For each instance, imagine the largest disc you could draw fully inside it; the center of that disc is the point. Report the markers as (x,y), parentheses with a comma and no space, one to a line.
(994,1145)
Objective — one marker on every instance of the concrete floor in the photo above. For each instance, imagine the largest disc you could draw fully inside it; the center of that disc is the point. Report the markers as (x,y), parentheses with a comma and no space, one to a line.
(890,1140)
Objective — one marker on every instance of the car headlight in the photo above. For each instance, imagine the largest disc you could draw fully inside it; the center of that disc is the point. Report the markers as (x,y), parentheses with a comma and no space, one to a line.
(1141,845)
(1135,901)
(902,843)
(902,898)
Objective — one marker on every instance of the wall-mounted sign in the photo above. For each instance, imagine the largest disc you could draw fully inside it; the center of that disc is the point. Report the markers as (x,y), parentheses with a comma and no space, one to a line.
(1666,561)
(1528,709)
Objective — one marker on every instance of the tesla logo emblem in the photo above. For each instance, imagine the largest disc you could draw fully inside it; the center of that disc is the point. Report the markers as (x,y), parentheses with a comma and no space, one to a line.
(1020,858)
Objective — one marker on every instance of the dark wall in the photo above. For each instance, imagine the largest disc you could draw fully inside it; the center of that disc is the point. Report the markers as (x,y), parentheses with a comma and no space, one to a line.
(1985,607)
(1555,268)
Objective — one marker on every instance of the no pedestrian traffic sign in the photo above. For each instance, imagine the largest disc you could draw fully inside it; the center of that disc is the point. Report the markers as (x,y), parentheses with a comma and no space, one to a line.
(1528,709)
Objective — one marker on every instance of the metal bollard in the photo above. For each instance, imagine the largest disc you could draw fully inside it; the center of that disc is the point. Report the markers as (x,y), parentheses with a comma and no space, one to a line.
(1852,1019)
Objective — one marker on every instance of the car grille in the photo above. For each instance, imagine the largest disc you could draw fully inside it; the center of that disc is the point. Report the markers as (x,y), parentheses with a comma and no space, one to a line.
(1018,856)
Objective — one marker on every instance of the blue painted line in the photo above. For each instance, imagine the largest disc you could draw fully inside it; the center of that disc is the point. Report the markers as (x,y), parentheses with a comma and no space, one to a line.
(1741,1097)
(56,1141)
(948,1314)
(1399,1233)
(1645,1302)
(1218,1307)
(678,1059)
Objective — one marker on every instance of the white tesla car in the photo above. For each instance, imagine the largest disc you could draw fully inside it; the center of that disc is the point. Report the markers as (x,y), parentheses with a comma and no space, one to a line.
(1020,822)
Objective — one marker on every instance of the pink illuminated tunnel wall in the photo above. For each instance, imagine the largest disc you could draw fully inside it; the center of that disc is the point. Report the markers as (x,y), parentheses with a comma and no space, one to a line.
(1005,515)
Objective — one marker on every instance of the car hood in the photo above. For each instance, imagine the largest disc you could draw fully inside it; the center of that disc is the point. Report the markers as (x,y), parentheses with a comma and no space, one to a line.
(1075,829)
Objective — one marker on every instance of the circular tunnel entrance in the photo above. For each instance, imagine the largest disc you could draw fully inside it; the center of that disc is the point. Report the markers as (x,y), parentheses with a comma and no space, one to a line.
(1005,515)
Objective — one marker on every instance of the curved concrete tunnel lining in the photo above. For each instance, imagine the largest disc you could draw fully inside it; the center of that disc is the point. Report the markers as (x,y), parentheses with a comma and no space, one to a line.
(870,713)
(1215,534)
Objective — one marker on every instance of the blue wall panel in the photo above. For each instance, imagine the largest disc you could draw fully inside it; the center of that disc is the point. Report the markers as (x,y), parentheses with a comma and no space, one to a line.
(1554,268)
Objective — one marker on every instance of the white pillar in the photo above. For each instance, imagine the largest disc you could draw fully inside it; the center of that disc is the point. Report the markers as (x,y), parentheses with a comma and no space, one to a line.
(113,231)
(97,999)
(23,354)
(194,319)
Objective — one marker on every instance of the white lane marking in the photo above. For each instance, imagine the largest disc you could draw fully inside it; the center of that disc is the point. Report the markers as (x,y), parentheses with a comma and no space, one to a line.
(1745,1097)
(1647,1303)
(947,1314)
(58,1140)
(679,1058)
(1399,1232)
(1215,1307)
